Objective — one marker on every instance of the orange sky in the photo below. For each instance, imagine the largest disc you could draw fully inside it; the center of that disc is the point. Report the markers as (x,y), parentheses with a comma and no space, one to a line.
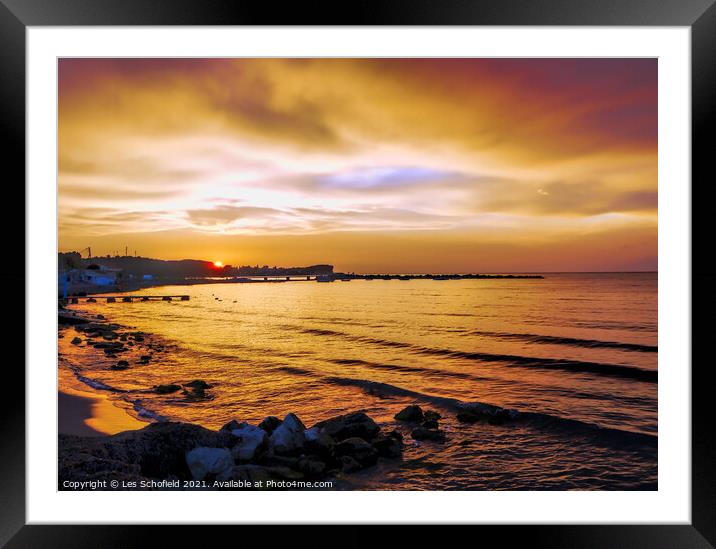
(373,165)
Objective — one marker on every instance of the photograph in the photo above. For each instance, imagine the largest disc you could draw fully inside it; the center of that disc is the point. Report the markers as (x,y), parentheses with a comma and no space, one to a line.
(357,274)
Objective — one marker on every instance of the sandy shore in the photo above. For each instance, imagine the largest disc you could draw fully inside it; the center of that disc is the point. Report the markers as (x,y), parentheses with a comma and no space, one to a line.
(88,414)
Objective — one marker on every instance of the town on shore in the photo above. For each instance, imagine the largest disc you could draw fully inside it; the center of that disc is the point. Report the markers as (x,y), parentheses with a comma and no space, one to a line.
(79,275)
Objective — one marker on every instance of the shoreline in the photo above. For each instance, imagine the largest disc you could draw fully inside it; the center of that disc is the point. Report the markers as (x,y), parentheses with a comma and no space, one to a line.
(100,446)
(91,414)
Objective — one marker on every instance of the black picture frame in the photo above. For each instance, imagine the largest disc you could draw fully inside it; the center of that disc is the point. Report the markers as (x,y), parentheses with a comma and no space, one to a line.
(699,15)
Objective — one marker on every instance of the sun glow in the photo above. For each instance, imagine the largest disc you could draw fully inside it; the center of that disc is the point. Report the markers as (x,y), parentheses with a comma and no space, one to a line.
(218,264)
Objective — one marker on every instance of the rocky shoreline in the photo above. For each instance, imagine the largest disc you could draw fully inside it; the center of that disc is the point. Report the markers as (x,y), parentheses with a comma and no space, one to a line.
(276,453)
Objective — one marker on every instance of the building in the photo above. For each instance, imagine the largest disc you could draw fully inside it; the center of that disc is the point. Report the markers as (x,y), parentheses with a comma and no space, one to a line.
(91,279)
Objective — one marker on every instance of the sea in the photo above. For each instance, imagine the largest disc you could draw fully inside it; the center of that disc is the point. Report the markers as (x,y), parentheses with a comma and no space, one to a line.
(575,355)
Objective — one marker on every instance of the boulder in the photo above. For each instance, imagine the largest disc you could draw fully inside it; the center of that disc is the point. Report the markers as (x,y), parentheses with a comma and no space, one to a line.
(121,365)
(231,425)
(196,384)
(349,465)
(388,446)
(421,433)
(76,341)
(410,413)
(358,449)
(288,438)
(205,461)
(431,415)
(270,423)
(319,442)
(356,424)
(430,424)
(311,466)
(251,441)
(166,389)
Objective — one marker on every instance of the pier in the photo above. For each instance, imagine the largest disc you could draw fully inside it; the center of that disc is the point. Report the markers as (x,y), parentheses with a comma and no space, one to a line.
(124,298)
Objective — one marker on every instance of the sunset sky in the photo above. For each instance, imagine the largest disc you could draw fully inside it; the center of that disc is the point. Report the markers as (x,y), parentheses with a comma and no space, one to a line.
(373,165)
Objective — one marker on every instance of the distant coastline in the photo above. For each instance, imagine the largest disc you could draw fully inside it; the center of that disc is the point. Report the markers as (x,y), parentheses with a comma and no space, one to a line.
(79,276)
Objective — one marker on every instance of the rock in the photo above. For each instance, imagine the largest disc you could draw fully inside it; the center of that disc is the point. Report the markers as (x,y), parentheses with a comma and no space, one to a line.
(270,459)
(195,394)
(430,424)
(112,345)
(431,415)
(410,413)
(388,446)
(356,424)
(99,317)
(196,384)
(349,465)
(205,461)
(155,451)
(252,440)
(311,466)
(319,442)
(145,358)
(421,433)
(270,423)
(233,424)
(358,449)
(288,438)
(166,389)
(71,319)
(121,365)
(76,341)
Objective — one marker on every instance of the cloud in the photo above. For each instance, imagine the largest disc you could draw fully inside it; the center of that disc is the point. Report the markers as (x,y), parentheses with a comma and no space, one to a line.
(226,214)
(217,148)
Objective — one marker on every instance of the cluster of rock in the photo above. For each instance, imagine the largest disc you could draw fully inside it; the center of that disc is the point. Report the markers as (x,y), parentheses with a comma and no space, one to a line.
(275,449)
(426,423)
(287,450)
(109,338)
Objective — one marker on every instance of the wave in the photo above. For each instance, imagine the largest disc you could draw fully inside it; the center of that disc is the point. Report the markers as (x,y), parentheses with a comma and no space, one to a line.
(572,342)
(97,384)
(407,369)
(146,413)
(439,373)
(596,433)
(575,366)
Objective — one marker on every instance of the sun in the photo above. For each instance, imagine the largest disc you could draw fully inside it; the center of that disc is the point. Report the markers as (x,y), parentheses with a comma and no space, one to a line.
(218,264)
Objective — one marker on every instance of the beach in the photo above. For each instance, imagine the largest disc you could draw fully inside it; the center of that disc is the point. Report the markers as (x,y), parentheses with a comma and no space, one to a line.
(88,414)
